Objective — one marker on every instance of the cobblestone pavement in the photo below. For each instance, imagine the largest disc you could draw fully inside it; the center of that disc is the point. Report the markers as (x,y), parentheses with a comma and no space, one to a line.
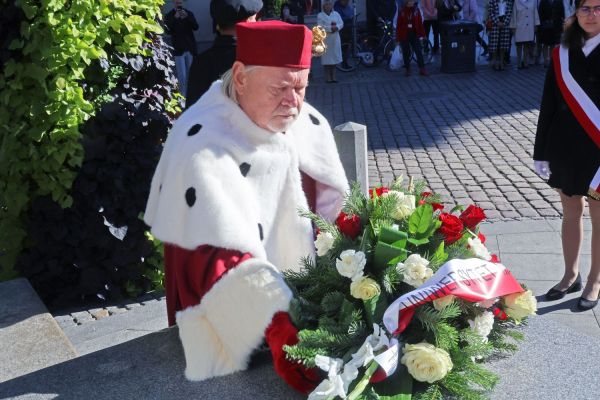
(470,136)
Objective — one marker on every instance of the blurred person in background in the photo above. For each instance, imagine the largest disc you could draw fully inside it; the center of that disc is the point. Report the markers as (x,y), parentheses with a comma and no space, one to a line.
(524,22)
(346,11)
(208,66)
(332,22)
(430,22)
(181,24)
(470,10)
(499,14)
(552,16)
(409,31)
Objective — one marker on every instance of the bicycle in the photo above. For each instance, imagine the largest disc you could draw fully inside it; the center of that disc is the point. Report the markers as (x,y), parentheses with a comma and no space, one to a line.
(426,49)
(369,50)
(378,48)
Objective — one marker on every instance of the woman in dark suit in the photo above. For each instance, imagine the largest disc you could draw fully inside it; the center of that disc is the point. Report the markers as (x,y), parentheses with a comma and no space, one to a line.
(567,144)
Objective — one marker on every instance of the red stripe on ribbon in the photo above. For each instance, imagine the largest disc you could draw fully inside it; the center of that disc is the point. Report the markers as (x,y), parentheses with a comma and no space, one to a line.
(472,290)
(588,125)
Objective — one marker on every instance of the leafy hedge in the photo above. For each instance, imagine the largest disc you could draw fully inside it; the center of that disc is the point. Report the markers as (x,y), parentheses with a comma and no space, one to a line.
(84,108)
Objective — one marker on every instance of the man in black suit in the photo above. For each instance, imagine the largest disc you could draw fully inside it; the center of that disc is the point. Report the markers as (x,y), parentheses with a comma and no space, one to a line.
(208,66)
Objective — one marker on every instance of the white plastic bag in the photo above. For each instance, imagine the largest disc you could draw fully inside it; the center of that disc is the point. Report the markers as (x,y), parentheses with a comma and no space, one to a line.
(396,59)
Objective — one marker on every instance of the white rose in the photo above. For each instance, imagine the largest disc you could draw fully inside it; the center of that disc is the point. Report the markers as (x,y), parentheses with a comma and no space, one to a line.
(479,249)
(482,324)
(425,362)
(443,302)
(520,305)
(324,243)
(351,264)
(364,288)
(415,270)
(405,204)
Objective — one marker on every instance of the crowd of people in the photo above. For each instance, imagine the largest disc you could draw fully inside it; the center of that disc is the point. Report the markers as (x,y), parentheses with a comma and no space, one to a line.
(535,27)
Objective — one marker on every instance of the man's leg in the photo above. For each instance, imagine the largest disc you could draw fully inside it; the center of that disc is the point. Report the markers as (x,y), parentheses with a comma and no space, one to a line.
(406,54)
(435,25)
(180,69)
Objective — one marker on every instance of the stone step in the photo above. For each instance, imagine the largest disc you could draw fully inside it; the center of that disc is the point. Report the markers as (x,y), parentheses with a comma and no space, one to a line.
(132,321)
(554,363)
(30,338)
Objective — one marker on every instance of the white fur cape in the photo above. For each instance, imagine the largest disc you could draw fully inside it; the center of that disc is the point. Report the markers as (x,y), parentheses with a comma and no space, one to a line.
(225,182)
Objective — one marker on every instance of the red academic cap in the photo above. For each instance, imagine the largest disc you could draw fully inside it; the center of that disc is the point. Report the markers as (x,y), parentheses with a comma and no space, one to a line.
(274,44)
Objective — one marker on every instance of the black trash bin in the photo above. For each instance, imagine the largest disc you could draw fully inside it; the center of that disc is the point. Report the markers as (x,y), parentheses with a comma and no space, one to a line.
(458,46)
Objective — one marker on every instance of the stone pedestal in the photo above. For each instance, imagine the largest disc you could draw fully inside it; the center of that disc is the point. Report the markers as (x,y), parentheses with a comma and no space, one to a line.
(30,339)
(351,141)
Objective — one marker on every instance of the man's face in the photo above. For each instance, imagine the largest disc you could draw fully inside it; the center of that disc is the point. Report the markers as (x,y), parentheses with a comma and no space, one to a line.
(271,96)
(178,3)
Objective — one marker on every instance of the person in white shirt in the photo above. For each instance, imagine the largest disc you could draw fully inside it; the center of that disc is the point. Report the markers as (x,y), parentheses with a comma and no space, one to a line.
(332,22)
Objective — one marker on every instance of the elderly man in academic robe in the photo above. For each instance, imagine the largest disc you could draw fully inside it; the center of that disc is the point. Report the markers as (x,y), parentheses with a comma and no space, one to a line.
(224,199)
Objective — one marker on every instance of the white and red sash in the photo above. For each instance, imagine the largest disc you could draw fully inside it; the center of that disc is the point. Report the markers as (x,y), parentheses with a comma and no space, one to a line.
(472,279)
(586,112)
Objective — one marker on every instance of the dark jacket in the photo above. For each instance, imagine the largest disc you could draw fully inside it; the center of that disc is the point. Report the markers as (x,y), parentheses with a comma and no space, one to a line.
(208,66)
(448,10)
(182,32)
(560,139)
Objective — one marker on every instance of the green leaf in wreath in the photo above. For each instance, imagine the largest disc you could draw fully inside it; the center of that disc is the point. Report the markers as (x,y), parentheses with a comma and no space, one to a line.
(418,242)
(398,386)
(375,307)
(440,256)
(420,220)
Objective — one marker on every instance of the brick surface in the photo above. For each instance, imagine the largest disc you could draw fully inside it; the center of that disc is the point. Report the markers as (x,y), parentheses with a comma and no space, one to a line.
(470,136)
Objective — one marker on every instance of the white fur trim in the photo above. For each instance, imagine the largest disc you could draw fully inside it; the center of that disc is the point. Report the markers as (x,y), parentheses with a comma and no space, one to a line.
(220,333)
(228,205)
(319,158)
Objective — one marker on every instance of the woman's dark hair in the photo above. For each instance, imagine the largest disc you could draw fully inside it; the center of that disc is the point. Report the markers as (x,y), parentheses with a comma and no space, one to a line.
(574,35)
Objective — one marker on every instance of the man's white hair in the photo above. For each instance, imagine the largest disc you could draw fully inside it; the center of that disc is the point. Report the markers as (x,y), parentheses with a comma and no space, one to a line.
(228,87)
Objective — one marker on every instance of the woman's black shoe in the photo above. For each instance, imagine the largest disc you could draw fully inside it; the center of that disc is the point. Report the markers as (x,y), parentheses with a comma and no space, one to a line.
(585,304)
(555,294)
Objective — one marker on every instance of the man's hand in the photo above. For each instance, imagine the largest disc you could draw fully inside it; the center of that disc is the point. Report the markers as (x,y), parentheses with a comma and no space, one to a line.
(542,168)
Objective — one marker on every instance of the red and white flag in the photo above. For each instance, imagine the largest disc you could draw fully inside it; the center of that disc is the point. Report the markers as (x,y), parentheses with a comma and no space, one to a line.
(472,279)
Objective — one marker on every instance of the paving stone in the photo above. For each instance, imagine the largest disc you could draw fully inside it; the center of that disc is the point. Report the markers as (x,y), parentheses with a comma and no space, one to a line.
(99,313)
(81,317)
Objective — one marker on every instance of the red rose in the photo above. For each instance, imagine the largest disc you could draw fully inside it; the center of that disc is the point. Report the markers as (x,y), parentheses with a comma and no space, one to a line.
(495,259)
(472,216)
(379,191)
(481,237)
(436,206)
(451,228)
(349,225)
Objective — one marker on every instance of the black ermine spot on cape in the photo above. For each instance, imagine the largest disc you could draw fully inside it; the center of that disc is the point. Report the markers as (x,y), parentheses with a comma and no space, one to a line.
(190,196)
(194,129)
(160,188)
(260,232)
(314,119)
(244,168)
